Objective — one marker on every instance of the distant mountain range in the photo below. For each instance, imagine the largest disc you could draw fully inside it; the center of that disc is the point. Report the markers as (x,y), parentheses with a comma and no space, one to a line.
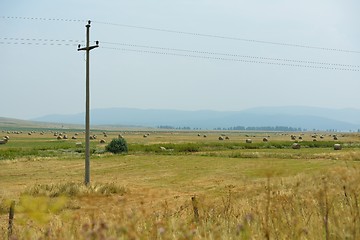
(297,117)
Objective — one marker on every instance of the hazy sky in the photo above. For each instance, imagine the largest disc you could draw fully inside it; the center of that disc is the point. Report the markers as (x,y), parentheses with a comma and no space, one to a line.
(37,80)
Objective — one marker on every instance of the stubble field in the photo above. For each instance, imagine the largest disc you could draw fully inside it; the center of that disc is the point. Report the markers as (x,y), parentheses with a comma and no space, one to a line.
(181,185)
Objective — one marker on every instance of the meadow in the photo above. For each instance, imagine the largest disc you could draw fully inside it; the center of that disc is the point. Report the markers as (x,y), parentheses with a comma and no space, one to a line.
(181,185)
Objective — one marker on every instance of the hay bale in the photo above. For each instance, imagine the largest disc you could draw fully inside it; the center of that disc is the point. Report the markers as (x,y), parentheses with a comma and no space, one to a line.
(337,146)
(248,140)
(295,146)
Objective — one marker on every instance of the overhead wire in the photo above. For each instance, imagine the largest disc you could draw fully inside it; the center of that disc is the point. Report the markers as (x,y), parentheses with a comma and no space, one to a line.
(228,37)
(42,19)
(254,59)
(189,33)
(232,59)
(188,53)
(39,41)
(232,55)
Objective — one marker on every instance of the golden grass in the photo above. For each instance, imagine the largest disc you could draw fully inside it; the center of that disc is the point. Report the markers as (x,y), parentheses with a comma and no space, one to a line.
(240,194)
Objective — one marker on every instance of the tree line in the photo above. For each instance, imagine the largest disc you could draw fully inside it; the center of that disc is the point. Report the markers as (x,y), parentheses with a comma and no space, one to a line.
(241,128)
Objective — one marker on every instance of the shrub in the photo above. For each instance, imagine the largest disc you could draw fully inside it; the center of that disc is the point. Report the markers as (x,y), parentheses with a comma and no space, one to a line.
(117,145)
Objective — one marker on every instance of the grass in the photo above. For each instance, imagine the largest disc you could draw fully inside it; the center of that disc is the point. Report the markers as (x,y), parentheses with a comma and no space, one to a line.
(72,189)
(216,146)
(242,191)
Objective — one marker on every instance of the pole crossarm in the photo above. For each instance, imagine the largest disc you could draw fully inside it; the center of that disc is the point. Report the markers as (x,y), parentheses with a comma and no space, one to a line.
(87,107)
(88,49)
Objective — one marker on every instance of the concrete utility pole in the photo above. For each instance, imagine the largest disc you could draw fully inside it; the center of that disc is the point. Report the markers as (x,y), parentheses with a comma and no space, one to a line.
(87,117)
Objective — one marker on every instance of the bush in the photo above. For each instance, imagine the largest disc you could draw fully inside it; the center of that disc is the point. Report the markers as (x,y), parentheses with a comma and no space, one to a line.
(117,145)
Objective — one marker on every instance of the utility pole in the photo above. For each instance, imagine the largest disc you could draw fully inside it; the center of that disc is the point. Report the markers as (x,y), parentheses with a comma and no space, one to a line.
(87,117)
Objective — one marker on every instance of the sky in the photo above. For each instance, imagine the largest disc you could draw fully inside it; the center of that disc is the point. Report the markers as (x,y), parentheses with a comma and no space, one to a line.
(183,55)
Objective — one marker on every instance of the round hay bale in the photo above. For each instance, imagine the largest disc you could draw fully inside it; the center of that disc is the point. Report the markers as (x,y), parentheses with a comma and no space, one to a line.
(248,140)
(221,138)
(265,139)
(337,146)
(295,146)
(102,141)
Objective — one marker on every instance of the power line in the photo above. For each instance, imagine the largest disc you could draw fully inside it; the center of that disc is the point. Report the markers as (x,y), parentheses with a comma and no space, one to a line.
(188,33)
(228,37)
(234,55)
(43,19)
(38,42)
(42,39)
(232,59)
(165,51)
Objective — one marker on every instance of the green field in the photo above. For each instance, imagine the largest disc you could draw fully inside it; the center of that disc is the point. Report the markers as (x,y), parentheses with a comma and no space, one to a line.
(198,188)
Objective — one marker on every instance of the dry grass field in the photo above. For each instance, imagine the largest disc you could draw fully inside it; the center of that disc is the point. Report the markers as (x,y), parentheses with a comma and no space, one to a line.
(198,188)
